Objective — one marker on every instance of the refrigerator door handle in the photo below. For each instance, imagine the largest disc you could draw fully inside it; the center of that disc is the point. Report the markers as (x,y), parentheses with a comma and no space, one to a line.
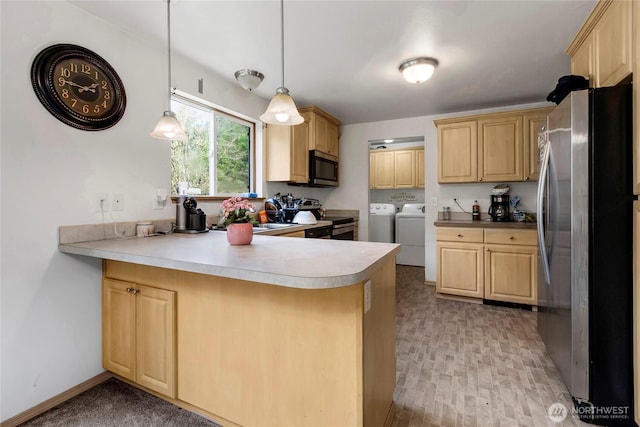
(539,211)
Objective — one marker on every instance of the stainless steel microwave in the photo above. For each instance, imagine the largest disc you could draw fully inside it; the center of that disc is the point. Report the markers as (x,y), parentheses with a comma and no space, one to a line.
(323,169)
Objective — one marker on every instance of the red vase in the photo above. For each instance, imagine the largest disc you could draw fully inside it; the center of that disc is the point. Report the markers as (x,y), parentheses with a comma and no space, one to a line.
(240,233)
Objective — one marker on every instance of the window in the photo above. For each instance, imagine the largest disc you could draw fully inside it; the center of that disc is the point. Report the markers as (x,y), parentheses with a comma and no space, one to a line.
(217,159)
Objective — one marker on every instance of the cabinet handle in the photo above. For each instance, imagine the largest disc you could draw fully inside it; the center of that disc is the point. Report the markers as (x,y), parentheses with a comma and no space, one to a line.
(136,291)
(459,235)
(486,249)
(510,237)
(526,178)
(129,290)
(479,179)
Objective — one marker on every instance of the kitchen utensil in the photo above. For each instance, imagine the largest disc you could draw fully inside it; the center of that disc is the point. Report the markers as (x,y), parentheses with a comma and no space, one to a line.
(304,217)
(500,189)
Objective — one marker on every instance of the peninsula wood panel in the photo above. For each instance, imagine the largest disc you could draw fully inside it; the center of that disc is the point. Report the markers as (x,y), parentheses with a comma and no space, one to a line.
(246,351)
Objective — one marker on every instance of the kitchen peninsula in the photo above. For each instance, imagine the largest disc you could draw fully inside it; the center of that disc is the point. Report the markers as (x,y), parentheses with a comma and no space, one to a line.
(280,332)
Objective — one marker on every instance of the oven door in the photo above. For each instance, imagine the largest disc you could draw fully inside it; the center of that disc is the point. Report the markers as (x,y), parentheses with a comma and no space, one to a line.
(343,231)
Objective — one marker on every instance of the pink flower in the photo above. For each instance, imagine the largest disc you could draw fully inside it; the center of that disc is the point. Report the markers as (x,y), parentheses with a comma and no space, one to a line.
(236,209)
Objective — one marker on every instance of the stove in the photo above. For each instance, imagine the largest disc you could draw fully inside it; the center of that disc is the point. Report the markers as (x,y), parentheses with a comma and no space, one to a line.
(342,228)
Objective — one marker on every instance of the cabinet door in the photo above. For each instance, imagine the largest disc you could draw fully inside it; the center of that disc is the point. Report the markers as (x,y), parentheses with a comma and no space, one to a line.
(383,170)
(278,152)
(118,328)
(320,134)
(510,273)
(459,269)
(405,169)
(500,149)
(533,123)
(458,152)
(300,153)
(582,61)
(333,140)
(612,44)
(420,168)
(156,335)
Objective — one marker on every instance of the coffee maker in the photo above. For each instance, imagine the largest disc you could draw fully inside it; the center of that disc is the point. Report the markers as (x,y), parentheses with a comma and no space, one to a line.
(189,219)
(499,209)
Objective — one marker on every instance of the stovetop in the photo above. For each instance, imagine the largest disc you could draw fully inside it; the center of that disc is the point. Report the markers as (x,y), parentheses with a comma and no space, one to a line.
(336,220)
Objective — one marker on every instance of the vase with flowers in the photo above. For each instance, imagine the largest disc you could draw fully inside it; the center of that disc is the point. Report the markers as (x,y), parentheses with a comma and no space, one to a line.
(239,224)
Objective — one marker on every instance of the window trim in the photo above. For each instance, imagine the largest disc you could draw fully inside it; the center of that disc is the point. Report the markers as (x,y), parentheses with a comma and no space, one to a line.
(187,98)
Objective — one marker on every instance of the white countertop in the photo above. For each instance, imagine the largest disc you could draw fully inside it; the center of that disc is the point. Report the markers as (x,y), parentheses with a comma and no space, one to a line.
(284,261)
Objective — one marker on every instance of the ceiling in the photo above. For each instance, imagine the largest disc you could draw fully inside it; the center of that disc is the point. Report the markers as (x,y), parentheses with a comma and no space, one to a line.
(343,56)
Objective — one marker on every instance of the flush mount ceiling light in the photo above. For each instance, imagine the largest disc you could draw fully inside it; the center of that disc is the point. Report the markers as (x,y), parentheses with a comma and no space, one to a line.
(168,126)
(417,70)
(282,110)
(249,79)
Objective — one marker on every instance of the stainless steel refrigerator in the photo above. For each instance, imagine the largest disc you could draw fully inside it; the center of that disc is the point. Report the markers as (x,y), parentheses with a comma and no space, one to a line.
(585,278)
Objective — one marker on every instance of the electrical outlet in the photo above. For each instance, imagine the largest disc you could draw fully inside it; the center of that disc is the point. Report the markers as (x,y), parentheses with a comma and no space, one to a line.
(160,199)
(101,202)
(117,202)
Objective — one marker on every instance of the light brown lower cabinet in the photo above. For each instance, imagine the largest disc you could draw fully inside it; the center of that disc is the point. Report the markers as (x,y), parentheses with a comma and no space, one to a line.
(252,353)
(492,264)
(139,334)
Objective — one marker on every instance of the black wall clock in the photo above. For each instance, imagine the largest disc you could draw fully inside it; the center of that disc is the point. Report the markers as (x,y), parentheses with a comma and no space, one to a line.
(78,87)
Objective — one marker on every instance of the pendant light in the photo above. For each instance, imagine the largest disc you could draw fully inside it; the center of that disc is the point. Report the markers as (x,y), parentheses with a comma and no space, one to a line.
(282,110)
(168,126)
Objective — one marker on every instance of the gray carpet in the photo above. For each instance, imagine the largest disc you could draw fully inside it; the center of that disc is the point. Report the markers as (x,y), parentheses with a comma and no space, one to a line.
(114,403)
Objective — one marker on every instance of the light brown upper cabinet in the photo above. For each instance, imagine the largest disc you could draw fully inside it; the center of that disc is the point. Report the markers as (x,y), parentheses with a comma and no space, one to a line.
(287,153)
(420,168)
(491,147)
(396,169)
(458,151)
(602,49)
(323,130)
(500,148)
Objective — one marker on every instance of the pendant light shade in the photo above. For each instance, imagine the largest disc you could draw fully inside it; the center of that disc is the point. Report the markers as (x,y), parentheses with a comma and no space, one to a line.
(282,110)
(168,126)
(418,70)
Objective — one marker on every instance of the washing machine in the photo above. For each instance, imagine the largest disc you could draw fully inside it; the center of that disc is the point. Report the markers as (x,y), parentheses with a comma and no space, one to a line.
(410,234)
(382,222)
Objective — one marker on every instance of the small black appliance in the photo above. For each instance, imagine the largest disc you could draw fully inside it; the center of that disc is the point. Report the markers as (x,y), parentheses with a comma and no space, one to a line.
(189,218)
(499,209)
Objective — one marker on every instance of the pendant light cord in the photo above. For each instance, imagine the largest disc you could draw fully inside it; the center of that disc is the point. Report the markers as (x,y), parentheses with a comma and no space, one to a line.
(282,37)
(169,50)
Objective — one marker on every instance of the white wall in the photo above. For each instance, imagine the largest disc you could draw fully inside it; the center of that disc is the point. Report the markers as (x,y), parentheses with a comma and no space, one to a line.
(354,166)
(50,302)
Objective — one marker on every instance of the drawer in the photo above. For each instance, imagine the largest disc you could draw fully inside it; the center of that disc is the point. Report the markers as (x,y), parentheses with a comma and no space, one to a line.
(511,237)
(459,234)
